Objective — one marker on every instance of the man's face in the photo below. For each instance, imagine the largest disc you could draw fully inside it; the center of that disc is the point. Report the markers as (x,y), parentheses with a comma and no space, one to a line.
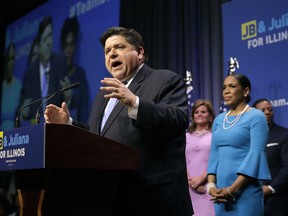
(267,109)
(121,58)
(45,45)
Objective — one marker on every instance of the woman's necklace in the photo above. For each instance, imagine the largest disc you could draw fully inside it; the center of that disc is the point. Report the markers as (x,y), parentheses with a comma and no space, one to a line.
(234,121)
(200,133)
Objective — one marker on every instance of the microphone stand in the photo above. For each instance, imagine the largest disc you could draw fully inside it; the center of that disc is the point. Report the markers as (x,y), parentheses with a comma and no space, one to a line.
(17,120)
(37,118)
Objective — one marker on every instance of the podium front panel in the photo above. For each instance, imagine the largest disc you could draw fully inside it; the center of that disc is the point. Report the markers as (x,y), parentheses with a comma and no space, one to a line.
(22,148)
(63,147)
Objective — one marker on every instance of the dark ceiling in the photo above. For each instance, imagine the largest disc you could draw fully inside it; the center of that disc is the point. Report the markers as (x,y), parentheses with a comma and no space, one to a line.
(14,9)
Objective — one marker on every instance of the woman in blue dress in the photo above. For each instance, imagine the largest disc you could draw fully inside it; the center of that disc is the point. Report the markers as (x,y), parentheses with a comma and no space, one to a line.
(237,163)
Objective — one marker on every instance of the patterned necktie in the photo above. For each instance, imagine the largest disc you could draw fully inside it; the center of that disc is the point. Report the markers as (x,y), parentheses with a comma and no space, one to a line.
(110,106)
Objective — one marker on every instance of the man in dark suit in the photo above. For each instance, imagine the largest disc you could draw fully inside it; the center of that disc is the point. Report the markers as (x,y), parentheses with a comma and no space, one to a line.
(44,75)
(150,114)
(276,190)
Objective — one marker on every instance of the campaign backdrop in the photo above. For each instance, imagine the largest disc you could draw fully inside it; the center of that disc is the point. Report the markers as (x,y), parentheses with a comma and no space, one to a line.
(94,17)
(255,32)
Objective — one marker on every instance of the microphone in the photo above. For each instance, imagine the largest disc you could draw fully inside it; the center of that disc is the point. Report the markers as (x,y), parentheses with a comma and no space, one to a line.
(17,120)
(37,116)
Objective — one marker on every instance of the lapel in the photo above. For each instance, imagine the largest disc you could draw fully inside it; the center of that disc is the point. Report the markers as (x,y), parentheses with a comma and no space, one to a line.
(37,81)
(134,85)
(53,81)
(102,109)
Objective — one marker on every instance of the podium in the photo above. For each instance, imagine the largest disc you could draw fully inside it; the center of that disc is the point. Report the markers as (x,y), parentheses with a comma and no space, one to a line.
(37,153)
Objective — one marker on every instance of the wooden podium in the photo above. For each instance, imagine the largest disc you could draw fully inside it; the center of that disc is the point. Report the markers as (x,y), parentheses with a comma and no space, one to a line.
(71,156)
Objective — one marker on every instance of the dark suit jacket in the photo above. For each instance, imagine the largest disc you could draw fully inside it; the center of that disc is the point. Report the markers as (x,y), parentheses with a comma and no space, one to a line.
(277,157)
(159,132)
(31,87)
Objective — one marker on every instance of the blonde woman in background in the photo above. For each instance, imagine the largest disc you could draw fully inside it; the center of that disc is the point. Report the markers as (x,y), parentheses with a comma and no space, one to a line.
(198,140)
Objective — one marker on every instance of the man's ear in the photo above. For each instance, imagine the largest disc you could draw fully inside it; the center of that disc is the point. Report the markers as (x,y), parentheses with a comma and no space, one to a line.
(140,51)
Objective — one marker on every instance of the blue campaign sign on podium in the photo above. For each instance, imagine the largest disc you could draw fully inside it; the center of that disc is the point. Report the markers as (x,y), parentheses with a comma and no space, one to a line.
(55,146)
(41,153)
(22,148)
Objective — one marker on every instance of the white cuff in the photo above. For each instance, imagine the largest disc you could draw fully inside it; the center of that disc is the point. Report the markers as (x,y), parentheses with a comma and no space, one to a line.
(272,189)
(70,121)
(210,185)
(134,110)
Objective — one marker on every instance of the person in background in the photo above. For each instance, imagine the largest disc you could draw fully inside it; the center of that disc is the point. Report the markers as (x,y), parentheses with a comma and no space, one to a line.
(198,141)
(77,99)
(43,77)
(276,190)
(237,163)
(11,88)
(151,114)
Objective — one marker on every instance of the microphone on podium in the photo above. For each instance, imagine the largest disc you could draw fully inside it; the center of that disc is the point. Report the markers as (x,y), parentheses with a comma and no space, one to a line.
(37,116)
(48,97)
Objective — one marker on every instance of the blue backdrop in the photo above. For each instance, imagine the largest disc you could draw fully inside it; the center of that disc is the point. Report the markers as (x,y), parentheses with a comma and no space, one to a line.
(94,17)
(256,33)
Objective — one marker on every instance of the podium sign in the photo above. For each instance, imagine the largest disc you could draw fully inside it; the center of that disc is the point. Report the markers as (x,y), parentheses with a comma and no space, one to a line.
(63,147)
(20,149)
(39,154)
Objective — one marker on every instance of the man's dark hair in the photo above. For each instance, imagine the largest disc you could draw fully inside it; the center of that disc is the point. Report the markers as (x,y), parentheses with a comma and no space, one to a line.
(131,36)
(46,20)
(259,101)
